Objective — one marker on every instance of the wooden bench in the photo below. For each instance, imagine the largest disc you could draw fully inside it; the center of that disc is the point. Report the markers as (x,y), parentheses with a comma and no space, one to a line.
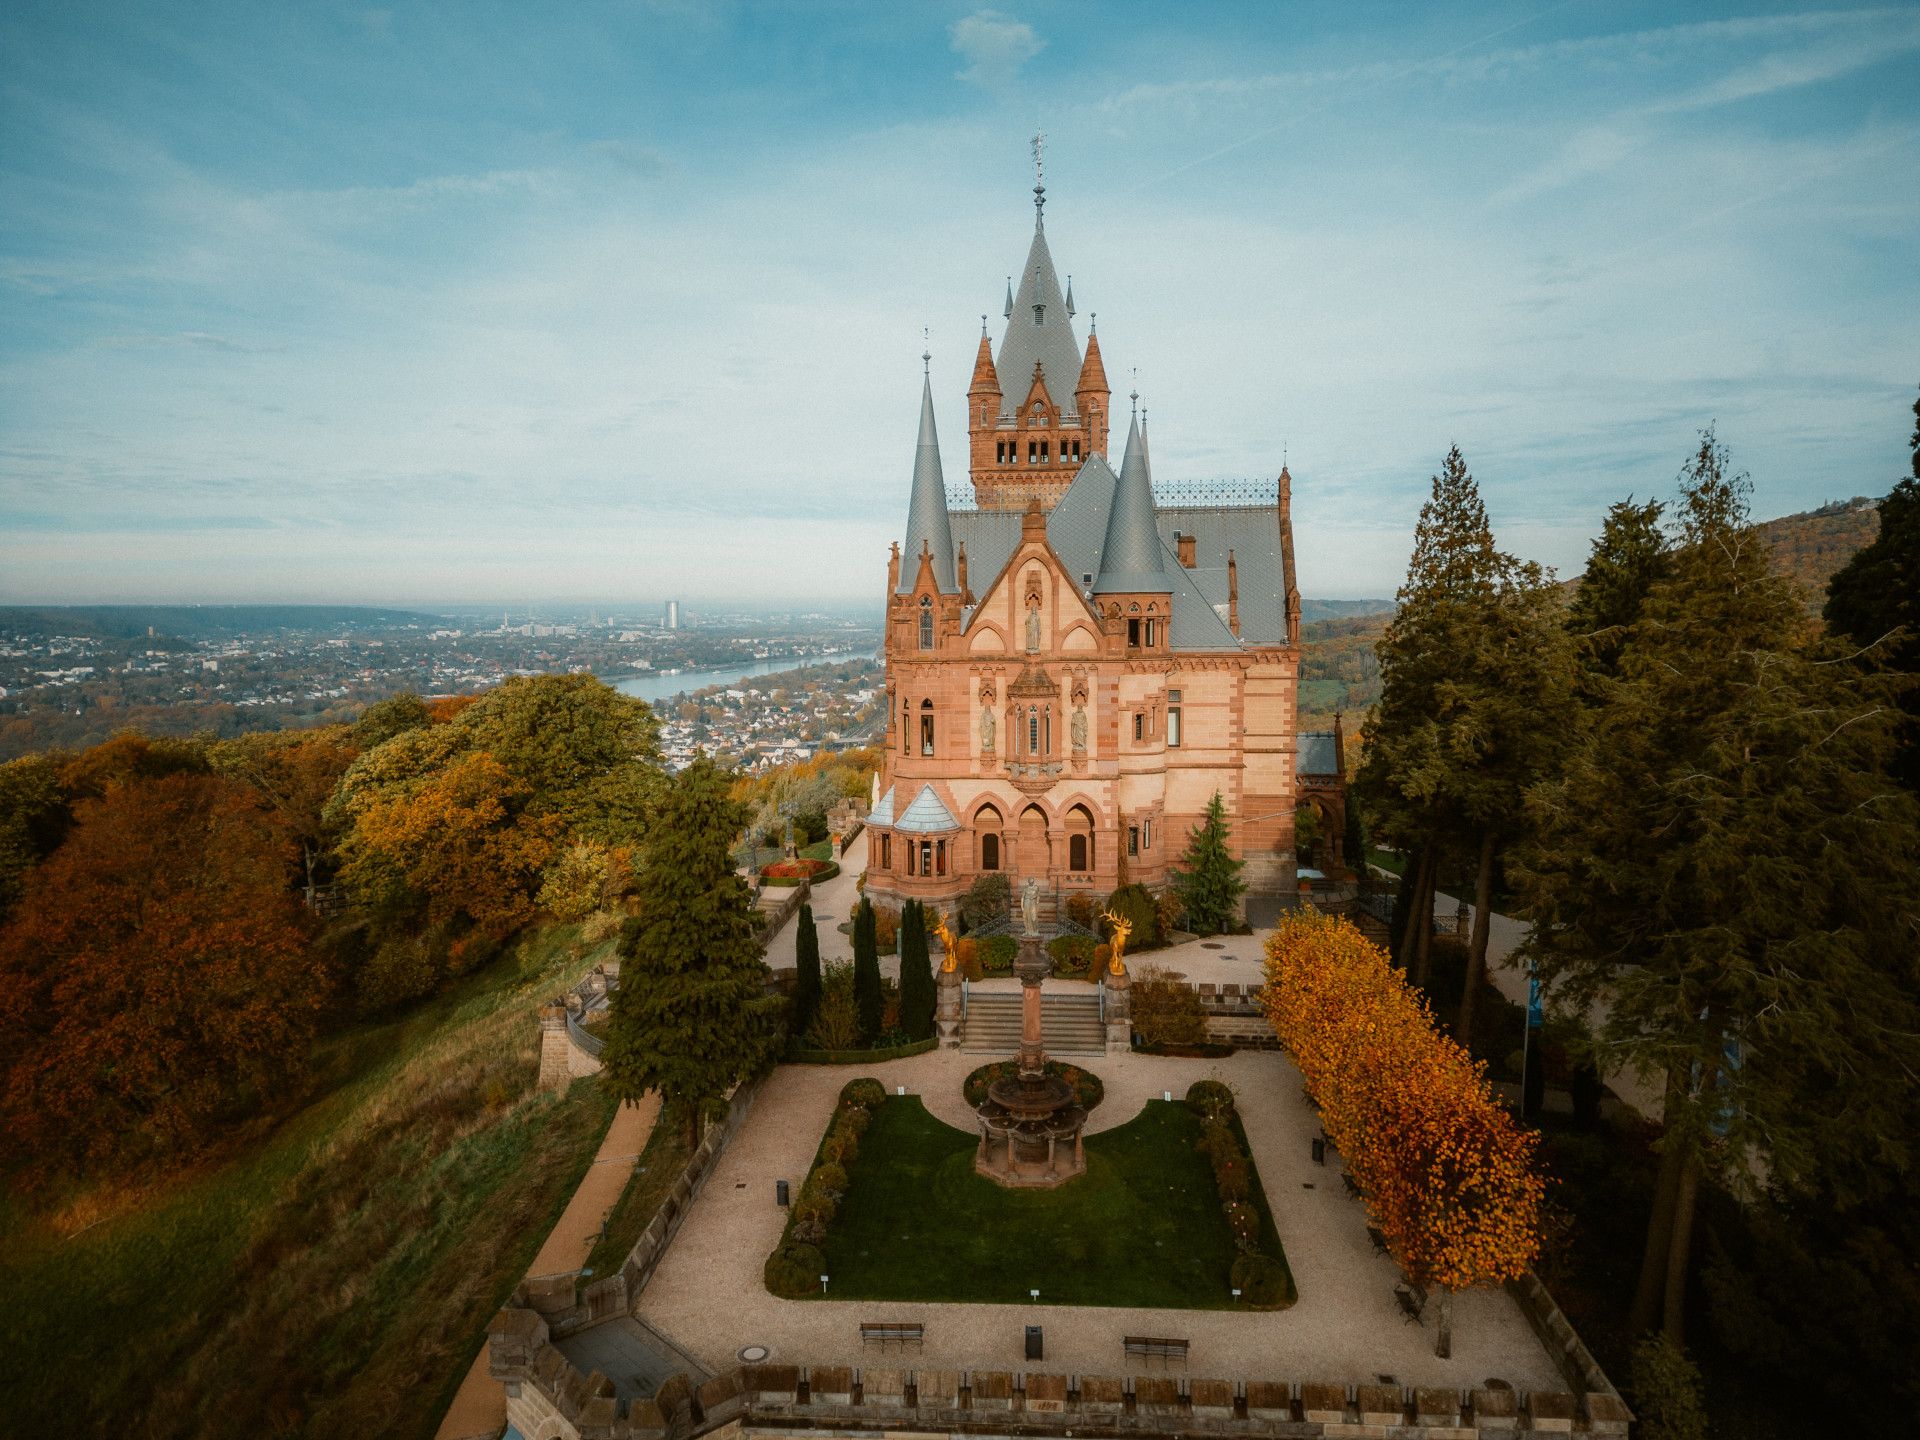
(1149,1347)
(892,1332)
(1411,1299)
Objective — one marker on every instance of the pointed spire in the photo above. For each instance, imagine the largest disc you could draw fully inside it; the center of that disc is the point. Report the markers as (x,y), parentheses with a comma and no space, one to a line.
(1009,314)
(1093,373)
(986,380)
(1070,310)
(1130,559)
(929,531)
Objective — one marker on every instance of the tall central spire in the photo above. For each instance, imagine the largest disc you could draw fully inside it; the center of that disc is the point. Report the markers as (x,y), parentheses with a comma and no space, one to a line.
(1039,180)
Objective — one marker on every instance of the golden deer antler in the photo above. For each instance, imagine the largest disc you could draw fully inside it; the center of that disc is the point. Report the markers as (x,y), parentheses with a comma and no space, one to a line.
(1120,928)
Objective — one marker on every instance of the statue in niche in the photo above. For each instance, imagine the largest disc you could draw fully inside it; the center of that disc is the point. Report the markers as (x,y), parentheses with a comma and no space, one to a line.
(1079,728)
(1033,626)
(986,727)
(1030,906)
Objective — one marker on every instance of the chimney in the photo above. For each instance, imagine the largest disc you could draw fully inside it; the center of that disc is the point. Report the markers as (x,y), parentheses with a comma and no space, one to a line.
(1184,544)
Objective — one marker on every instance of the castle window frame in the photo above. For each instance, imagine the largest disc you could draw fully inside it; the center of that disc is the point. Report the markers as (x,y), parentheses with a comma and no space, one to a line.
(1139,727)
(926,857)
(926,622)
(989,851)
(1033,729)
(926,727)
(1146,833)
(1173,719)
(886,851)
(1133,839)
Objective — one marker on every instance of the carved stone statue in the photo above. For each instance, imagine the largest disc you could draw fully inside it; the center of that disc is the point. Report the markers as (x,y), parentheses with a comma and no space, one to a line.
(1079,727)
(1033,628)
(986,727)
(1030,906)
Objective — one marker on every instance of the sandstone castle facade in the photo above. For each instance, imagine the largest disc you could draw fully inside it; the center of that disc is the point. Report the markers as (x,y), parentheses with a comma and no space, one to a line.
(1074,669)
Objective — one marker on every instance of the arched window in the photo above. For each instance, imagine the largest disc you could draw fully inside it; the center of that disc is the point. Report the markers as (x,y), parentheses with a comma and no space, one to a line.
(989,852)
(926,727)
(1080,839)
(1077,852)
(1033,730)
(926,622)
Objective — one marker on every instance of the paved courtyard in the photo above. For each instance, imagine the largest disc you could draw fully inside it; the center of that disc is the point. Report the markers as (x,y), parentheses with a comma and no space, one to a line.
(708,1298)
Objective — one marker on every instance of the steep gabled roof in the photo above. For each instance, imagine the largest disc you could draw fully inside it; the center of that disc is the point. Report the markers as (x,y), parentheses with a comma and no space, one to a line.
(1039,331)
(1132,557)
(927,524)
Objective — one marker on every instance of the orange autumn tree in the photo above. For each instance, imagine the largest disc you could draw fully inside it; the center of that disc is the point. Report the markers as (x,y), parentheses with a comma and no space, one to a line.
(1447,1176)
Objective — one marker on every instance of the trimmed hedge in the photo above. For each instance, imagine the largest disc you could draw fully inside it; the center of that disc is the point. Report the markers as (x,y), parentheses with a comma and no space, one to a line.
(798,1056)
(794,1268)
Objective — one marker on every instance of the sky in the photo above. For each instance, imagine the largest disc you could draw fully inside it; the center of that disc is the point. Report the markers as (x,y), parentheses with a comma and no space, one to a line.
(509,303)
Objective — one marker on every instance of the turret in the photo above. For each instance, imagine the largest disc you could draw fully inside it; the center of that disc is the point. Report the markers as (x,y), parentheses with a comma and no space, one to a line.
(929,532)
(1090,396)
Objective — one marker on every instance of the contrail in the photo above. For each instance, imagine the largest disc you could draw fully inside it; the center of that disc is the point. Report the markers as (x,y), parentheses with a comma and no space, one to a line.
(1401,74)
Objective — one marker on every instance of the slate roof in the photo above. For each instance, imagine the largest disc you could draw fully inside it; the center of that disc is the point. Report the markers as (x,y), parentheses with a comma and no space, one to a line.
(1131,556)
(927,522)
(926,815)
(882,812)
(1049,341)
(1314,753)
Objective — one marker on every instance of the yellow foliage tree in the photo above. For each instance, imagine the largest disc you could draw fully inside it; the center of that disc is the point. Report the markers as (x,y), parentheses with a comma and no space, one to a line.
(1447,1176)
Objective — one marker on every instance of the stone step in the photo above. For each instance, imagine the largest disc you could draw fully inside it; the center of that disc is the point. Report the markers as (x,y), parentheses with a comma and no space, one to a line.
(1069,1024)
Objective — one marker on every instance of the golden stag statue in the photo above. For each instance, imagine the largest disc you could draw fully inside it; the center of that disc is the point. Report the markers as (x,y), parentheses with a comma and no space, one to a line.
(952,946)
(1119,928)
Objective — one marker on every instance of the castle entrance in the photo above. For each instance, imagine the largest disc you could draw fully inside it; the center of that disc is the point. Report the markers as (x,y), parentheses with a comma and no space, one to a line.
(1035,853)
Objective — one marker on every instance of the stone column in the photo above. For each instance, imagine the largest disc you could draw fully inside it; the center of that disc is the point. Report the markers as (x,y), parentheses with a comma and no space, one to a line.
(554,1046)
(946,1008)
(1119,1009)
(1031,966)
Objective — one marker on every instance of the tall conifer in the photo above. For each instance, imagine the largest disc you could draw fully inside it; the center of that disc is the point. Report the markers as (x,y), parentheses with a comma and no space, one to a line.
(806,973)
(1208,881)
(692,1016)
(916,973)
(1724,862)
(869,998)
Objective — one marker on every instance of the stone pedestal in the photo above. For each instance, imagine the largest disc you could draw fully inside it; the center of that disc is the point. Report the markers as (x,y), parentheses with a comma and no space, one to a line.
(946,1008)
(1119,1011)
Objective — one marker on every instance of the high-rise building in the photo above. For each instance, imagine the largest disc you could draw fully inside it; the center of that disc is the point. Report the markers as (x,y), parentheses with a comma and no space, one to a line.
(1120,662)
(673,615)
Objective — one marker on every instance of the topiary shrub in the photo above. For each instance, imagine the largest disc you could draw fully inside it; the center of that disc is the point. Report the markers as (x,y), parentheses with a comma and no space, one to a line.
(1210,1099)
(833,1149)
(794,1270)
(1136,903)
(830,1177)
(1071,955)
(1262,1282)
(862,1094)
(997,952)
(1231,1176)
(852,1124)
(1244,1221)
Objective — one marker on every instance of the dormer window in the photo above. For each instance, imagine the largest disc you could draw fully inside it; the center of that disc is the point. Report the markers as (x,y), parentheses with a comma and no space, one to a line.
(1039,314)
(926,622)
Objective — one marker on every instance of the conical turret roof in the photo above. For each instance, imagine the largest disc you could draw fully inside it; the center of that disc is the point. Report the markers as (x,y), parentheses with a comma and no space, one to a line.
(1131,558)
(928,527)
(985,381)
(1093,374)
(1039,331)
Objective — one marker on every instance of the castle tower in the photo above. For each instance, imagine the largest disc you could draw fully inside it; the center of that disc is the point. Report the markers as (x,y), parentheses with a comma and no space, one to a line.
(1035,412)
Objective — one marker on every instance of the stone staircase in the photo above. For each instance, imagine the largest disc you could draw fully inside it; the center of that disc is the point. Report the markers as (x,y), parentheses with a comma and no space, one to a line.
(1069,1024)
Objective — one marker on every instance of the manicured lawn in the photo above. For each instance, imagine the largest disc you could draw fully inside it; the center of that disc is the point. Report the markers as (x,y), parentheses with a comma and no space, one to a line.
(1142,1227)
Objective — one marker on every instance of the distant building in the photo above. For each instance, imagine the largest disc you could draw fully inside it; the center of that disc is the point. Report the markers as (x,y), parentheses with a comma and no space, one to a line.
(1121,661)
(673,615)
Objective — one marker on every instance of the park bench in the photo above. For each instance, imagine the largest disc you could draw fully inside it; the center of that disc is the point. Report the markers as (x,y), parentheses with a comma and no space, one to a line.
(892,1332)
(1412,1300)
(1377,1240)
(1149,1347)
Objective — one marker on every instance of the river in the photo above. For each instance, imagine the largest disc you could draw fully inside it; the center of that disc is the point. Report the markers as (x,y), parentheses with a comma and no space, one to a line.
(656,687)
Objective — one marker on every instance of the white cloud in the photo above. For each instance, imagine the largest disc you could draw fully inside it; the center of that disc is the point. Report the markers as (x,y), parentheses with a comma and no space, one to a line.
(995,45)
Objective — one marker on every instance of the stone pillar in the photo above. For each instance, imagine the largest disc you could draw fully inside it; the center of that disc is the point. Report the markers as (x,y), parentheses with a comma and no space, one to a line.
(555,1044)
(1031,966)
(1119,1010)
(946,1008)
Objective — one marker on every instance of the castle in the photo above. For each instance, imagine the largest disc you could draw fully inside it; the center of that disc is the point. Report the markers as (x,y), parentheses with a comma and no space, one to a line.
(1073,668)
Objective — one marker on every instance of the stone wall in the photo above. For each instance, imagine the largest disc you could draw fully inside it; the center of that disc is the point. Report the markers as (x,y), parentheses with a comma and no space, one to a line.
(546,1397)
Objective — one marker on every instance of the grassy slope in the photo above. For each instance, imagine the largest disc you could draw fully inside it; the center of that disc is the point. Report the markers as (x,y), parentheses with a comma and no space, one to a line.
(335,1277)
(1141,1227)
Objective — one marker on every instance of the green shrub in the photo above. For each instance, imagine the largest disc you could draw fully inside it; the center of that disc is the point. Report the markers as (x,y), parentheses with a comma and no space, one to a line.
(862,1094)
(794,1270)
(1230,1175)
(1261,1281)
(1081,911)
(830,1176)
(1167,1011)
(815,1205)
(1210,1099)
(1666,1391)
(853,1123)
(997,952)
(986,899)
(1071,954)
(1244,1221)
(1136,903)
(833,1149)
(405,968)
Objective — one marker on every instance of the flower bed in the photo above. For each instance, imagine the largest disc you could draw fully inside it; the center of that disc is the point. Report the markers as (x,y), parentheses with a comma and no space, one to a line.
(1260,1271)
(796,1264)
(792,872)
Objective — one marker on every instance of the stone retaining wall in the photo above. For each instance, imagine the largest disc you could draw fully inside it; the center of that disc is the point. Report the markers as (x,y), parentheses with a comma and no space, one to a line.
(546,1396)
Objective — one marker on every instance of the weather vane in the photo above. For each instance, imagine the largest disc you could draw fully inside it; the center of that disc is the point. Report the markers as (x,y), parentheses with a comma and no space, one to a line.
(1039,174)
(926,353)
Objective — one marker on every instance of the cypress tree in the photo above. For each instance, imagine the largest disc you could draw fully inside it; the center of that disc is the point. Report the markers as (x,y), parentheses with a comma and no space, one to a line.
(1628,559)
(692,1016)
(1208,882)
(806,973)
(916,973)
(1725,863)
(869,998)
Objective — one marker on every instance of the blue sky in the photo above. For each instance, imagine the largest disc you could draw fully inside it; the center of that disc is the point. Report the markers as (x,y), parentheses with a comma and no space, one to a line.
(509,303)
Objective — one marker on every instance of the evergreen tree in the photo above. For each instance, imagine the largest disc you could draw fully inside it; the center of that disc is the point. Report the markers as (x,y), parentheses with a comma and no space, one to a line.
(1723,862)
(916,973)
(806,973)
(1874,601)
(1208,881)
(1628,559)
(692,1016)
(869,998)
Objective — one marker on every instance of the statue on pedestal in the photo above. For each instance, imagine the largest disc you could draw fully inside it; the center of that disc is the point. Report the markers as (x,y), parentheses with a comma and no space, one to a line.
(1030,906)
(1079,727)
(986,727)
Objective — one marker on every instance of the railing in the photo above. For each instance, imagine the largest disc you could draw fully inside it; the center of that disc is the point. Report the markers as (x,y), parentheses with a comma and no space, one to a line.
(584,1037)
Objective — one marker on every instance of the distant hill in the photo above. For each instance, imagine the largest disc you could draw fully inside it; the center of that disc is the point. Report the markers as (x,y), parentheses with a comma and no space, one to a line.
(200,622)
(1342,609)
(1338,671)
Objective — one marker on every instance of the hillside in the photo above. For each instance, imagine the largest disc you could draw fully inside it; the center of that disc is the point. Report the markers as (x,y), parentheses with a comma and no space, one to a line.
(1338,671)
